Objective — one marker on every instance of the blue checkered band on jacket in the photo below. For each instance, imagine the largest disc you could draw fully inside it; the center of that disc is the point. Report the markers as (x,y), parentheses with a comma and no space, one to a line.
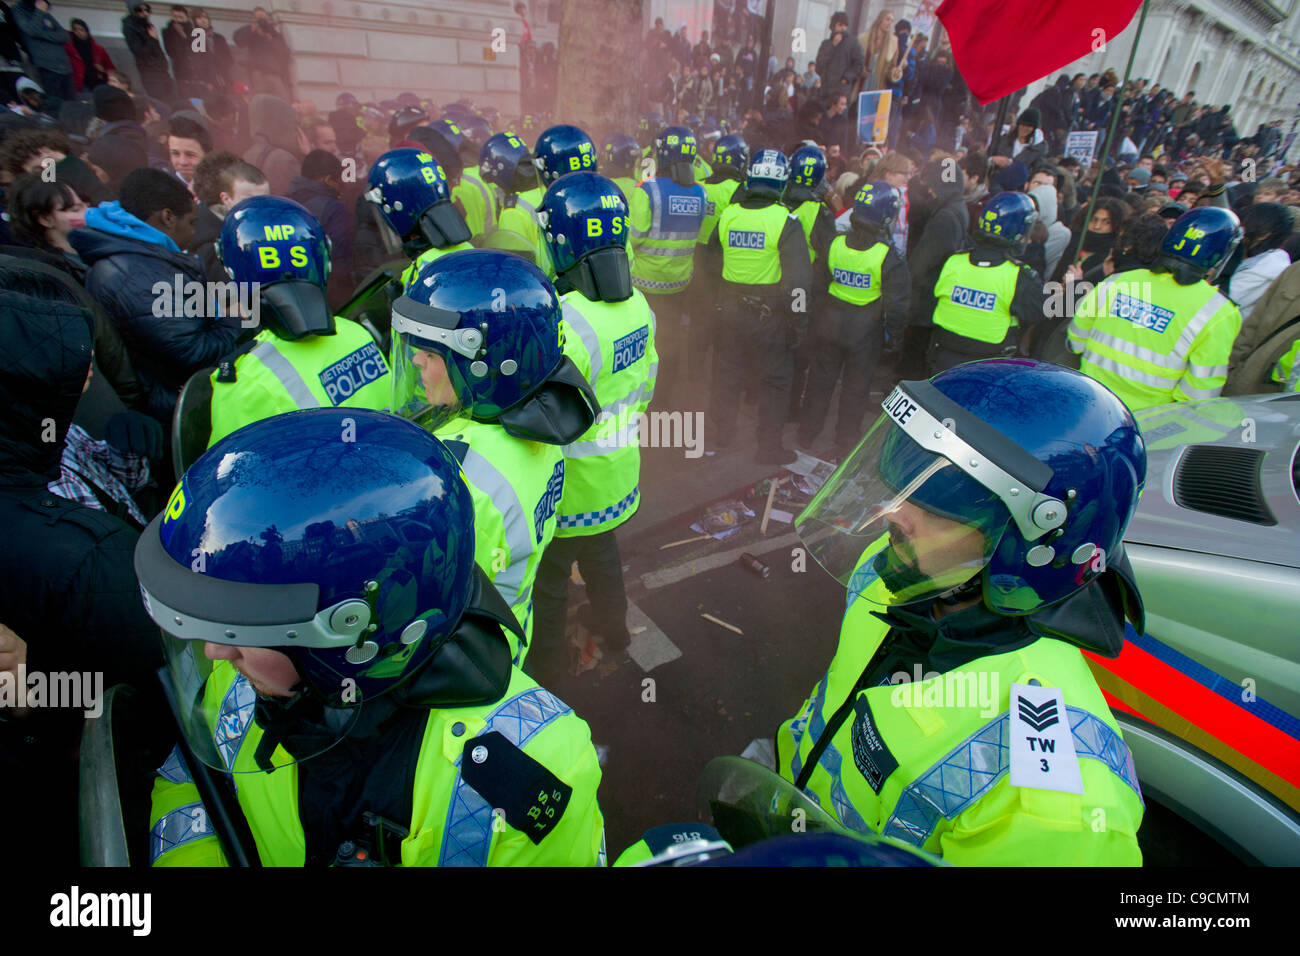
(588,519)
(467,837)
(975,766)
(180,826)
(649,285)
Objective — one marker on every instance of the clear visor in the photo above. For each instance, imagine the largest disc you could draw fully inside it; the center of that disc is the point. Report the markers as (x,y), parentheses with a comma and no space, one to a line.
(240,715)
(422,388)
(897,524)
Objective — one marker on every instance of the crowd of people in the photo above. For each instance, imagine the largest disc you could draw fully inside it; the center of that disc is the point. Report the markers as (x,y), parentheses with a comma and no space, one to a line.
(113,193)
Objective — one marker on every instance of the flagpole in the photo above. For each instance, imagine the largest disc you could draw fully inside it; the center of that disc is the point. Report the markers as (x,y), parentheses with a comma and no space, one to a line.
(1114,125)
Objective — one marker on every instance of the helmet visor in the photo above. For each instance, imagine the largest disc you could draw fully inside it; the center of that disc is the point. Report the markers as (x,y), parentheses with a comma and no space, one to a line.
(234,715)
(897,524)
(423,337)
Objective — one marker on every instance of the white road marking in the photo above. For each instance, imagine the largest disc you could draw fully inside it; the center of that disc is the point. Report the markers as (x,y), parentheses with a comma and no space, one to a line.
(651,647)
(711,562)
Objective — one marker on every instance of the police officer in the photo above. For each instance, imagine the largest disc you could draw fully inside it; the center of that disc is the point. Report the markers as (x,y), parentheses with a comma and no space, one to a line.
(805,195)
(304,357)
(667,213)
(478,359)
(984,295)
(730,162)
(1161,335)
(608,323)
(561,150)
(332,646)
(1287,370)
(404,120)
(620,158)
(506,162)
(978,528)
(411,192)
(864,286)
(760,251)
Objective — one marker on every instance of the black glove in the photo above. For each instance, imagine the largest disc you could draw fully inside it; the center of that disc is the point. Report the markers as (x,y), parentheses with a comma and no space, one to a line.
(134,433)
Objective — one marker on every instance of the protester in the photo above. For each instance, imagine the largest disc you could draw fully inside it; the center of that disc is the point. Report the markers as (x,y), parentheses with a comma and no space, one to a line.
(90,62)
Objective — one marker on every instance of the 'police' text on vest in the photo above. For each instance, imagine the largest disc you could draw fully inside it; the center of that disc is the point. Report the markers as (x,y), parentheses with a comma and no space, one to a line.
(746,239)
(630,348)
(974,298)
(352,373)
(854,280)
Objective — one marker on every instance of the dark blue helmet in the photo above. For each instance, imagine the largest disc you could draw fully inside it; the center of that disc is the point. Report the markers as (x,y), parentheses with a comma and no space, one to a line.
(732,152)
(620,155)
(1203,238)
(878,203)
(808,168)
(647,128)
(477,129)
(442,147)
(768,173)
(411,190)
(342,538)
(1027,501)
(506,161)
(404,120)
(493,319)
(584,220)
(675,153)
(280,246)
(562,150)
(1007,219)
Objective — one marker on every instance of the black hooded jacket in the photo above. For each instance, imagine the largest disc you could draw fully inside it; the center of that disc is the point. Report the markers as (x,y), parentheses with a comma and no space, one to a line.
(67,582)
(946,231)
(165,351)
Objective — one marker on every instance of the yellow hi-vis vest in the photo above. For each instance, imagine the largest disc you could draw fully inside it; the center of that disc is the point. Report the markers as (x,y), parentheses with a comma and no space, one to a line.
(517,224)
(665,226)
(451,825)
(516,486)
(975,301)
(316,371)
(1152,341)
(1287,370)
(478,201)
(613,344)
(807,213)
(750,239)
(940,755)
(423,259)
(856,273)
(717,199)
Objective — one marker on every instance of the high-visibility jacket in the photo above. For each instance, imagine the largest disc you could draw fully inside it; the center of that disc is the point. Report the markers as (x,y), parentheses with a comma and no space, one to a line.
(517,224)
(928,763)
(807,213)
(478,200)
(975,301)
(1152,341)
(717,199)
(277,376)
(613,344)
(1189,423)
(856,274)
(516,486)
(423,259)
(750,240)
(451,825)
(625,183)
(1287,370)
(666,220)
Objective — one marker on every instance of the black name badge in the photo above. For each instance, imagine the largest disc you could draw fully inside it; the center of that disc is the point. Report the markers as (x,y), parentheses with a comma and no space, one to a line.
(529,796)
(872,757)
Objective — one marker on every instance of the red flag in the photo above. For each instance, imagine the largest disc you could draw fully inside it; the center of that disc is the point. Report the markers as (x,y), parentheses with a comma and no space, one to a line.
(1002,45)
